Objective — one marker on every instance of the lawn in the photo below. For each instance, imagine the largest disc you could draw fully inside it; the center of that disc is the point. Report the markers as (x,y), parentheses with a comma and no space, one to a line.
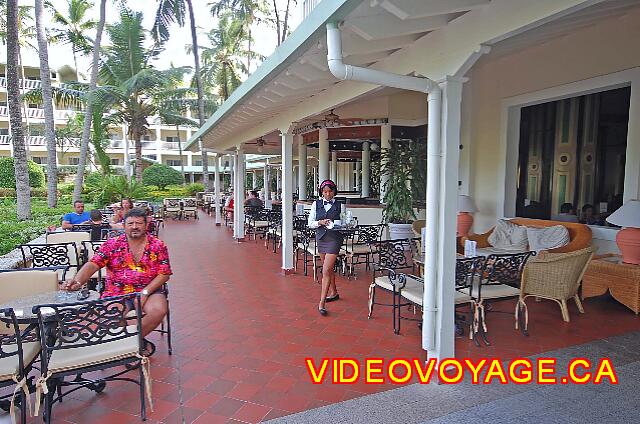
(13,233)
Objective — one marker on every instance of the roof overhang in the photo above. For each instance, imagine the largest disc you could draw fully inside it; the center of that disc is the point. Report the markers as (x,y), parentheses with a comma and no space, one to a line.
(434,38)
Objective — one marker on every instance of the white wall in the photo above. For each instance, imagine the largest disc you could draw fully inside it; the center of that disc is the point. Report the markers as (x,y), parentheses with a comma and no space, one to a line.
(584,59)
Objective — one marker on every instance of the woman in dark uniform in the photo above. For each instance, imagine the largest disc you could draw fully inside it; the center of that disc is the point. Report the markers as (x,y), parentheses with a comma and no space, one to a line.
(321,217)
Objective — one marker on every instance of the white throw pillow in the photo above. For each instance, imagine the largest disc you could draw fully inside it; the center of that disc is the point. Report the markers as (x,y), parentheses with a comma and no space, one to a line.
(510,236)
(547,238)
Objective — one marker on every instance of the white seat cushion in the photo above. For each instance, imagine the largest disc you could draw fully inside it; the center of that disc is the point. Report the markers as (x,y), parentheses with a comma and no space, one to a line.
(548,238)
(413,293)
(383,282)
(507,235)
(79,357)
(9,366)
(497,291)
(260,224)
(358,249)
(486,251)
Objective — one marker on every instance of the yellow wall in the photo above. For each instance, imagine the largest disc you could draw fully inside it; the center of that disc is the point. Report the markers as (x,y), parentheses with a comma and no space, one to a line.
(608,46)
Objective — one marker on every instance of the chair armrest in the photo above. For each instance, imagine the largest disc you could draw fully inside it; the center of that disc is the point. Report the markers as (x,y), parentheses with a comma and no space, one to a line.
(482,240)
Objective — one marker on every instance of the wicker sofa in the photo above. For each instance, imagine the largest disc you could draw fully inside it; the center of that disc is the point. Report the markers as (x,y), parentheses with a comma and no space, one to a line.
(579,234)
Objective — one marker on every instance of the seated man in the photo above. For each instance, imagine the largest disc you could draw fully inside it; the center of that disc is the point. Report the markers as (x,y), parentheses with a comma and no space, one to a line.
(97,225)
(253,200)
(79,216)
(567,213)
(136,262)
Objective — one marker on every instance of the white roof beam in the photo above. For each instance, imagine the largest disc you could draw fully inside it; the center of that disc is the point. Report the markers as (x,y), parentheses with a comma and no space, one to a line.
(380,27)
(414,9)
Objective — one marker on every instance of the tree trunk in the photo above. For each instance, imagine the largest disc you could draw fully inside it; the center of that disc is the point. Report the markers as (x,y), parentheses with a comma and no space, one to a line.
(275,12)
(138,169)
(23,191)
(86,129)
(127,155)
(285,26)
(180,150)
(49,132)
(249,50)
(196,58)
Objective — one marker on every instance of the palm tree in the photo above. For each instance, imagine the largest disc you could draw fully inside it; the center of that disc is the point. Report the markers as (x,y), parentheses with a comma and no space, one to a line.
(281,22)
(223,66)
(86,129)
(135,87)
(23,191)
(170,11)
(73,28)
(49,126)
(245,11)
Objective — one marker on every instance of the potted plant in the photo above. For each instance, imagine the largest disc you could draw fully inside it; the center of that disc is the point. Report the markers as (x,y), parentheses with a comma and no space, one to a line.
(403,164)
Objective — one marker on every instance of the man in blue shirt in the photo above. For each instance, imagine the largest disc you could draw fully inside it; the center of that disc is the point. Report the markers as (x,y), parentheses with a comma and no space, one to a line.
(79,216)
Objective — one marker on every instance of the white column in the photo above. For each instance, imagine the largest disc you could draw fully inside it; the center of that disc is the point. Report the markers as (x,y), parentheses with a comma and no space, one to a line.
(158,143)
(267,185)
(265,173)
(189,158)
(302,168)
(385,143)
(315,181)
(238,192)
(216,187)
(444,245)
(357,176)
(334,167)
(287,202)
(366,169)
(254,179)
(323,154)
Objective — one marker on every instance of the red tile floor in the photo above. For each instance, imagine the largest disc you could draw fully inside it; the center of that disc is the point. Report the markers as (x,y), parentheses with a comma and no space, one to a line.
(242,331)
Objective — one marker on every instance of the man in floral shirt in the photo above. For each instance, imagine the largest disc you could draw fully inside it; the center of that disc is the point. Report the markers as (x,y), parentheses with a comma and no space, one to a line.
(135,262)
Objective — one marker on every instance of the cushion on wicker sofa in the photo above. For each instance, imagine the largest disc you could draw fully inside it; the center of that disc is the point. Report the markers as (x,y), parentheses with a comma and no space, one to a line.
(547,238)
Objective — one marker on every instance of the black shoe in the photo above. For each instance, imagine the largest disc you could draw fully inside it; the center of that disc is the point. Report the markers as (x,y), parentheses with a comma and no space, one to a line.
(332,298)
(322,311)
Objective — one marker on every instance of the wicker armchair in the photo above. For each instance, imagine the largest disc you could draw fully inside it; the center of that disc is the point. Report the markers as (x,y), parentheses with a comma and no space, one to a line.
(554,276)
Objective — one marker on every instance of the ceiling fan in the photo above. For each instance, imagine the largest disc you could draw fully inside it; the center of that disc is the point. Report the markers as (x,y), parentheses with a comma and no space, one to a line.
(261,142)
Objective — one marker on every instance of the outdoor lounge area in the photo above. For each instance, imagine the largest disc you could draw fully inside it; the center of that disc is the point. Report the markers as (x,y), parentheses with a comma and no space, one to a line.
(242,330)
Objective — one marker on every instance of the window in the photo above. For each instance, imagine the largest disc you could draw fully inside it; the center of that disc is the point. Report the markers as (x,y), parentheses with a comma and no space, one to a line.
(573,151)
(146,138)
(54,75)
(33,106)
(42,160)
(73,161)
(198,162)
(152,157)
(114,161)
(174,162)
(4,131)
(172,139)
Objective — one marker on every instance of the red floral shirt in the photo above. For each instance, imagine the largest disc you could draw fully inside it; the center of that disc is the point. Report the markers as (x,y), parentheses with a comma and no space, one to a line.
(124,275)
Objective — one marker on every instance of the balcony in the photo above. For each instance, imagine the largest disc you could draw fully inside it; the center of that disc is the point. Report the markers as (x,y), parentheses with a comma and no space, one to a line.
(37,113)
(37,140)
(172,145)
(26,84)
(308,6)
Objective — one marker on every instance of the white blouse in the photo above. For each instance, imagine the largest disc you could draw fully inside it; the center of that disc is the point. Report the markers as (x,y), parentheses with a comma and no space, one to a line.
(312,222)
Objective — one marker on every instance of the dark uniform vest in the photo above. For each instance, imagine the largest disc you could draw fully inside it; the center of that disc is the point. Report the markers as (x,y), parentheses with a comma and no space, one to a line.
(332,214)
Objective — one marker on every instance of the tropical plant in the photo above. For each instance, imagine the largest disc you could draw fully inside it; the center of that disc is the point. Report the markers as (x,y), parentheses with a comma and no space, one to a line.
(93,81)
(73,27)
(23,194)
(8,174)
(311,182)
(222,65)
(194,188)
(49,124)
(247,12)
(173,11)
(134,87)
(106,189)
(396,165)
(280,20)
(161,175)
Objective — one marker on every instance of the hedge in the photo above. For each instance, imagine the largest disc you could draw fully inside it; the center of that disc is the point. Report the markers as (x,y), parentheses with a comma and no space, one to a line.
(8,173)
(161,175)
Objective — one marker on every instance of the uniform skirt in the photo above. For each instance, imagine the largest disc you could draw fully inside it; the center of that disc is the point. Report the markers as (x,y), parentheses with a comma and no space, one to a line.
(330,243)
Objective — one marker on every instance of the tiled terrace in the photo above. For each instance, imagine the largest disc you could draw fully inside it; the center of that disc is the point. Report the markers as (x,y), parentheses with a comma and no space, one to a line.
(242,331)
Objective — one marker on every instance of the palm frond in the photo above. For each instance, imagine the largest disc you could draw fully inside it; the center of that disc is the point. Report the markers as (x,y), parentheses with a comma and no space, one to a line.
(168,12)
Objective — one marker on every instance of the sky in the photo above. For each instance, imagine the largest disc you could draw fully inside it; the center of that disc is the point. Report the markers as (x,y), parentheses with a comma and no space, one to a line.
(174,52)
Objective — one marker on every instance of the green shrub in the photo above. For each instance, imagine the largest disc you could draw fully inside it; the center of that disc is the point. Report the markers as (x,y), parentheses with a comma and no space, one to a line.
(161,175)
(112,188)
(192,189)
(65,188)
(8,173)
(152,187)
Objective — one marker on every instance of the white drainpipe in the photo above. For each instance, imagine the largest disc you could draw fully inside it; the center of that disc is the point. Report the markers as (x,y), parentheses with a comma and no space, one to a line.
(348,72)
